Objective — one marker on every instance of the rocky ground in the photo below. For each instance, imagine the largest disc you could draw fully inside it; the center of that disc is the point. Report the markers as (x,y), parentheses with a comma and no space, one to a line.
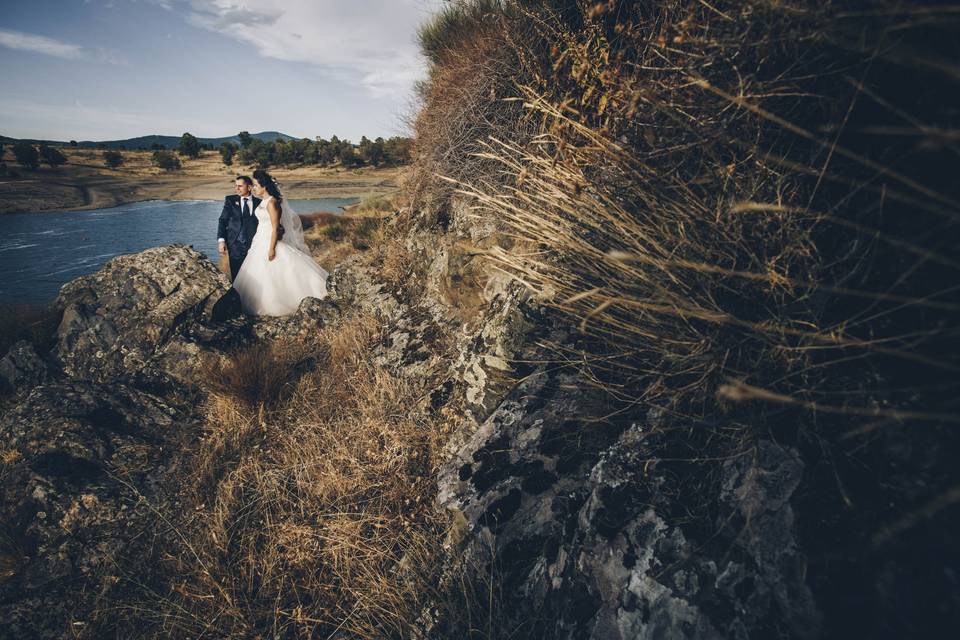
(92,433)
(572,524)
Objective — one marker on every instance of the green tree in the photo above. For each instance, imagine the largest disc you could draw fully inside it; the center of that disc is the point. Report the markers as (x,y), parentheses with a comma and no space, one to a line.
(325,152)
(284,153)
(363,149)
(189,146)
(348,155)
(166,160)
(245,139)
(73,143)
(52,156)
(397,150)
(258,153)
(26,154)
(112,159)
(371,152)
(156,146)
(227,150)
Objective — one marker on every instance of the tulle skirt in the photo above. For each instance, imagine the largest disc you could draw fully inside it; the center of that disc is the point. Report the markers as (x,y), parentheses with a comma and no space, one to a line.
(277,287)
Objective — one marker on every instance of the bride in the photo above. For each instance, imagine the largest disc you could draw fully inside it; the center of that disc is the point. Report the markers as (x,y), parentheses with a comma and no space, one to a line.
(277,274)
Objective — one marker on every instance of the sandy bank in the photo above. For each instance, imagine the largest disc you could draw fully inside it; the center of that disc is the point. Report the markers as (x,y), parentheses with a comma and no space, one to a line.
(84,183)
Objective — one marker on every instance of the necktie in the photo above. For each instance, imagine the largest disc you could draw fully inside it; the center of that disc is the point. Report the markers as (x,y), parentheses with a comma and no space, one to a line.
(244,215)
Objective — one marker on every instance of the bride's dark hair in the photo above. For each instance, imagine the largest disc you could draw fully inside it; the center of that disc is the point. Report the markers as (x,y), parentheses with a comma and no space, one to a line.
(267,182)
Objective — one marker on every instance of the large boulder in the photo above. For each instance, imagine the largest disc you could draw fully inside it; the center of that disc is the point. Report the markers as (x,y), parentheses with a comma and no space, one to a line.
(116,320)
(574,522)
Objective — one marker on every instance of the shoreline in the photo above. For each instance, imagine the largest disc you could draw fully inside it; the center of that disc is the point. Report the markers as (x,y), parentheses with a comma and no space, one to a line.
(83,184)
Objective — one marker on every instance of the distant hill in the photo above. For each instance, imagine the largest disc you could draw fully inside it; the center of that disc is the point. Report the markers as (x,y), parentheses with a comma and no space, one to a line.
(147,142)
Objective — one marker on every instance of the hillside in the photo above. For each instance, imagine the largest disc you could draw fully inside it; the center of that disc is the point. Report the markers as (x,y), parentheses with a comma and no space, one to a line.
(147,142)
(658,340)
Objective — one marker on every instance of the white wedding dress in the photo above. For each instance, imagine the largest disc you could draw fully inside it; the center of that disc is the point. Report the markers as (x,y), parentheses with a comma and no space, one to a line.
(276,287)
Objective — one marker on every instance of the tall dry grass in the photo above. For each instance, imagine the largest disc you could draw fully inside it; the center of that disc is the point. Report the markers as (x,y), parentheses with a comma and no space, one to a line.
(474,51)
(306,511)
(746,210)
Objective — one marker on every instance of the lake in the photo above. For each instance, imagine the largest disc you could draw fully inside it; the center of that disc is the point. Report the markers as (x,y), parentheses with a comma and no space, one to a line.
(39,252)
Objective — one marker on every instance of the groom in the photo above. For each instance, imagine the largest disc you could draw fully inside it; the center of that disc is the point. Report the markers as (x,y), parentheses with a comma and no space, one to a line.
(237,224)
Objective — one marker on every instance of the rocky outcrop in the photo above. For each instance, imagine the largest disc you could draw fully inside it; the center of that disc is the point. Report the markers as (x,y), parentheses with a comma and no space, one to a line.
(570,518)
(573,520)
(91,434)
(80,463)
(147,317)
(116,320)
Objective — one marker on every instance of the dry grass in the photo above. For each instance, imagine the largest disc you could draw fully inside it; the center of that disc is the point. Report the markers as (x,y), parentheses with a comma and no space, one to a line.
(309,516)
(258,375)
(744,209)
(660,217)
(461,101)
(369,227)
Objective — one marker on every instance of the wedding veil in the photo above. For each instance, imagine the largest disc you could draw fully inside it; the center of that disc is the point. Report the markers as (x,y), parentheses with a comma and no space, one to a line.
(292,227)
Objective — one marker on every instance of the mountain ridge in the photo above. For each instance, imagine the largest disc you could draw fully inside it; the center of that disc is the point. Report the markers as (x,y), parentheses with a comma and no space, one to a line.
(146,142)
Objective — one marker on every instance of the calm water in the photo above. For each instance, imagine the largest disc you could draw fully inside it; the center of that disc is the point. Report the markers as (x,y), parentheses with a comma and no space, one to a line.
(39,252)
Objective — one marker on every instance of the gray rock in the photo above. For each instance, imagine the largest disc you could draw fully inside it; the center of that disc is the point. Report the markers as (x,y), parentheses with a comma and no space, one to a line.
(22,367)
(573,518)
(116,320)
(78,459)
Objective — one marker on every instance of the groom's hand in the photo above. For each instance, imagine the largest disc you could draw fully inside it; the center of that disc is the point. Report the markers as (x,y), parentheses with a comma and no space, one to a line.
(222,246)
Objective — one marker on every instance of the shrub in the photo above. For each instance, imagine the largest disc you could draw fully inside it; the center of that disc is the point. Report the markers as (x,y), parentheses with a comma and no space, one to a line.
(166,160)
(363,231)
(26,154)
(112,159)
(335,232)
(227,151)
(374,205)
(52,156)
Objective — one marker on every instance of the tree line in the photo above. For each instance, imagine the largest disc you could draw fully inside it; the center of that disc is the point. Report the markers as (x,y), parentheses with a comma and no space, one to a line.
(378,152)
(374,153)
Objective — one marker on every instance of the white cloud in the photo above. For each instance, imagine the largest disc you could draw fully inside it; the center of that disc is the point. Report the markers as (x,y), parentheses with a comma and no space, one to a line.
(49,47)
(39,44)
(369,42)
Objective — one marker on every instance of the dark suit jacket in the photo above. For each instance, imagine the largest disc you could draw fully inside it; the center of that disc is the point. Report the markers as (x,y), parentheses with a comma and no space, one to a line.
(232,220)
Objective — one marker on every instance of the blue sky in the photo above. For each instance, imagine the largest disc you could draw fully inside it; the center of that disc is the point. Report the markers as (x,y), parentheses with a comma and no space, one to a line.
(113,69)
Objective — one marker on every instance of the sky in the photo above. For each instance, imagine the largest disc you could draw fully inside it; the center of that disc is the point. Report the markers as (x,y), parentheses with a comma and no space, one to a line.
(116,69)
